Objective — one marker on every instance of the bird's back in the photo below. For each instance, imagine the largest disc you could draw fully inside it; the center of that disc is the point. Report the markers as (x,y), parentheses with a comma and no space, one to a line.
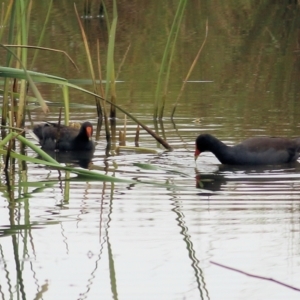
(266,150)
(53,136)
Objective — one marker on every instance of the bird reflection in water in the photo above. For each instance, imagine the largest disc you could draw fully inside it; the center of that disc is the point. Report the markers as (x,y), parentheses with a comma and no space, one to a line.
(224,174)
(74,158)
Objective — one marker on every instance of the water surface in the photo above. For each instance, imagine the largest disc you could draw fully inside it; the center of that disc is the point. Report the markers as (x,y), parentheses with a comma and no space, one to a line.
(91,240)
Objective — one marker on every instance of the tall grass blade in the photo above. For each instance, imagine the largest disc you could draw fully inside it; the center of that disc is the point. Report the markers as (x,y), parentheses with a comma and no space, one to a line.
(106,16)
(65,89)
(107,132)
(4,19)
(90,64)
(110,66)
(180,8)
(11,12)
(23,14)
(28,77)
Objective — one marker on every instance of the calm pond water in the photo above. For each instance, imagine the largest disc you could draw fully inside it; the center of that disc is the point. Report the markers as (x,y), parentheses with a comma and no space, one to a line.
(101,240)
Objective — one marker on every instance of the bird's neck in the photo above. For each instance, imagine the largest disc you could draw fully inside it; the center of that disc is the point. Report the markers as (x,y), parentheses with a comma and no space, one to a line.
(82,136)
(221,150)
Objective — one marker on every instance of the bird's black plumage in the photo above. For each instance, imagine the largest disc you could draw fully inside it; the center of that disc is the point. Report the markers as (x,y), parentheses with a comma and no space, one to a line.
(253,151)
(53,136)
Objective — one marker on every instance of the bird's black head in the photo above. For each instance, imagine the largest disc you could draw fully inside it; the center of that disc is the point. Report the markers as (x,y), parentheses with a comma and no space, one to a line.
(87,129)
(204,142)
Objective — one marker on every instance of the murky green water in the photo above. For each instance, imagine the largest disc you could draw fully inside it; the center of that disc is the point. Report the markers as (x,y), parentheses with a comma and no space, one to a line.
(92,240)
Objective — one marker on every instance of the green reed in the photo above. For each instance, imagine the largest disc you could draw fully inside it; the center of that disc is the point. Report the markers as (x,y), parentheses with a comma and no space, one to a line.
(17,17)
(165,67)
(90,64)
(45,78)
(110,76)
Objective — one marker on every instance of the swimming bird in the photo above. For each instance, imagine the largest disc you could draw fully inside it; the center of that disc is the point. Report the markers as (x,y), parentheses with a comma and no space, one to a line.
(253,151)
(53,136)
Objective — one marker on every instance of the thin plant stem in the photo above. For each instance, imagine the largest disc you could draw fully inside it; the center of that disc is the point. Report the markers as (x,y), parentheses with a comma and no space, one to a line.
(256,276)
(89,58)
(123,61)
(42,33)
(168,72)
(110,65)
(164,59)
(190,72)
(107,132)
(44,48)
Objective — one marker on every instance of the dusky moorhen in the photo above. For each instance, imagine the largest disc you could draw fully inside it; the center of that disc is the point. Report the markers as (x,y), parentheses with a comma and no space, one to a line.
(53,136)
(253,151)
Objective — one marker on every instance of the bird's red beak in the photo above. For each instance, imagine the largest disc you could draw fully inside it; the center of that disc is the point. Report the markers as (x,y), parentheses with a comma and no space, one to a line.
(89,131)
(197,153)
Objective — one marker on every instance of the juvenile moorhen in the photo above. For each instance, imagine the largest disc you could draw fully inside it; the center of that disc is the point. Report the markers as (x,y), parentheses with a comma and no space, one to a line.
(53,136)
(253,151)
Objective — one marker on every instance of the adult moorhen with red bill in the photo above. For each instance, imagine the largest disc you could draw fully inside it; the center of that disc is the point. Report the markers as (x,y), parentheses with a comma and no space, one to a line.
(54,136)
(253,151)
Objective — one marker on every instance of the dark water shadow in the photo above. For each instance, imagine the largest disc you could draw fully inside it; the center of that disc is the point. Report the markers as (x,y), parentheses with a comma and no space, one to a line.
(224,174)
(281,168)
(75,158)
